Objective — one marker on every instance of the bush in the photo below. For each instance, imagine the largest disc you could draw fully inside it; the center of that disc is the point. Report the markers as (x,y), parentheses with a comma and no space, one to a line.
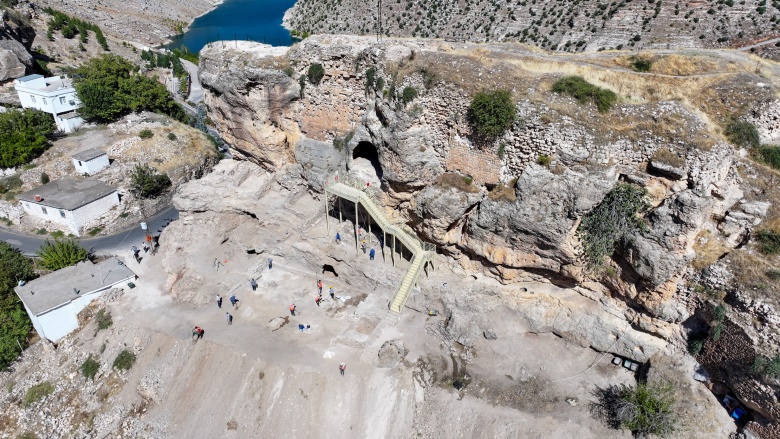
(146,134)
(89,368)
(766,367)
(613,219)
(742,134)
(24,135)
(44,178)
(770,155)
(103,319)
(171,136)
(14,322)
(491,113)
(408,94)
(644,410)
(641,64)
(695,345)
(583,91)
(543,160)
(37,393)
(125,360)
(146,182)
(316,73)
(768,241)
(109,87)
(61,253)
(302,84)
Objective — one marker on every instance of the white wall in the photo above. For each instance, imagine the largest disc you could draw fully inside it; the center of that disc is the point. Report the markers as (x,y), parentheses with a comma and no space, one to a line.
(92,166)
(75,219)
(68,125)
(60,101)
(58,323)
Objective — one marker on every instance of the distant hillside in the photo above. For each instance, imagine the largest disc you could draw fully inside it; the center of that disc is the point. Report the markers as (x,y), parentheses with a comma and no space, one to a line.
(562,25)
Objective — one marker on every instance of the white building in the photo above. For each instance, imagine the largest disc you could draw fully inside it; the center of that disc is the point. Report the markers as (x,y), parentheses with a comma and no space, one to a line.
(54,301)
(70,202)
(90,161)
(54,95)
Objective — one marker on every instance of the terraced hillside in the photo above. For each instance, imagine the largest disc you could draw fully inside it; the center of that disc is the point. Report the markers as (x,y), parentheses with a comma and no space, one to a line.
(562,25)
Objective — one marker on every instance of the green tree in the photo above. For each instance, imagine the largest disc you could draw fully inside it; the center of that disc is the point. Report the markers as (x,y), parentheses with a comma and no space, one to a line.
(146,182)
(583,91)
(14,323)
(24,135)
(61,253)
(109,87)
(491,113)
(614,218)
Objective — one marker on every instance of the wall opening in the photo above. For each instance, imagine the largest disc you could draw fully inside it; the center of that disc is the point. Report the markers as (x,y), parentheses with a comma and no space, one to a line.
(365,154)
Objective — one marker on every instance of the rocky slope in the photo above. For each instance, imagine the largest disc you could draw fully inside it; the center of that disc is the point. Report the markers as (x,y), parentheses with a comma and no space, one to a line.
(571,26)
(515,216)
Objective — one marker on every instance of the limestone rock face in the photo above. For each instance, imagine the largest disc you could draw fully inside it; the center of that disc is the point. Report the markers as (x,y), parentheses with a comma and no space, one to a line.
(15,40)
(535,231)
(318,159)
(442,211)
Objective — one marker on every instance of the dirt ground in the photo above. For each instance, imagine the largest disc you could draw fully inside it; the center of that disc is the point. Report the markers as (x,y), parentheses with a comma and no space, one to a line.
(261,377)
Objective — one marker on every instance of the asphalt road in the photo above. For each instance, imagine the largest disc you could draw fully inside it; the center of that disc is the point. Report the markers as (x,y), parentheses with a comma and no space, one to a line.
(29,244)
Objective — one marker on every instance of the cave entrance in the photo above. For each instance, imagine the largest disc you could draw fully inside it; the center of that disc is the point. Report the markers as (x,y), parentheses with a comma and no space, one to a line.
(365,160)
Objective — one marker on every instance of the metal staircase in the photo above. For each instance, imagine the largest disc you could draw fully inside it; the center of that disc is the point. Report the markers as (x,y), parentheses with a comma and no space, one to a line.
(422,252)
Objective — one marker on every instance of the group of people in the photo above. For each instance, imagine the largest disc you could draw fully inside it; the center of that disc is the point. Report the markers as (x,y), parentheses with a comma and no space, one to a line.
(331,292)
(233,303)
(363,245)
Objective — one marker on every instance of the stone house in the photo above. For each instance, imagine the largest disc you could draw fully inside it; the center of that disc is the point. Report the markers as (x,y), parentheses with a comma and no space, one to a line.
(55,95)
(90,161)
(70,202)
(54,301)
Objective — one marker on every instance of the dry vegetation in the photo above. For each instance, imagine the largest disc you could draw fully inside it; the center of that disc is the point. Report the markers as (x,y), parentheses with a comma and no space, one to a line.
(457,181)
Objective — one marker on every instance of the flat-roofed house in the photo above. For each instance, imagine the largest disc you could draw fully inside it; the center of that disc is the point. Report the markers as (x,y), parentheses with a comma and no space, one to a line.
(54,95)
(54,301)
(70,202)
(90,161)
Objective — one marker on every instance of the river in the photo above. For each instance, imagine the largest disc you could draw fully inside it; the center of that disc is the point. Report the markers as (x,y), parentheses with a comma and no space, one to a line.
(256,20)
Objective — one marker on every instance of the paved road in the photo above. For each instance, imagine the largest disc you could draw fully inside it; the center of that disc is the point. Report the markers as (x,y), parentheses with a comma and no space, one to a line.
(196,91)
(29,244)
(763,43)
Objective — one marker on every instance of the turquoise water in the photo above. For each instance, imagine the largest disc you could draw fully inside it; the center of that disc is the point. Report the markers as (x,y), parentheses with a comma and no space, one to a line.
(256,20)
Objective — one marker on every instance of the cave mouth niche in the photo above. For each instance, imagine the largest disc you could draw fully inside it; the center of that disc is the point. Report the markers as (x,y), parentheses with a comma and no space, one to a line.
(365,160)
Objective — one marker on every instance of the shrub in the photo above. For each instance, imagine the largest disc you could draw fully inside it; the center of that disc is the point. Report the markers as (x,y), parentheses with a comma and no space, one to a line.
(125,360)
(57,234)
(146,182)
(695,344)
(171,136)
(302,84)
(10,183)
(24,135)
(770,155)
(773,274)
(89,368)
(766,367)
(341,142)
(768,241)
(146,134)
(742,133)
(641,64)
(583,91)
(647,409)
(37,393)
(613,219)
(717,331)
(61,253)
(408,94)
(14,322)
(491,113)
(103,319)
(454,180)
(44,178)
(316,73)
(543,160)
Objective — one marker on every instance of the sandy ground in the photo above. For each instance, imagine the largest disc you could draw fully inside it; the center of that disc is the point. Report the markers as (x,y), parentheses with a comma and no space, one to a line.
(255,378)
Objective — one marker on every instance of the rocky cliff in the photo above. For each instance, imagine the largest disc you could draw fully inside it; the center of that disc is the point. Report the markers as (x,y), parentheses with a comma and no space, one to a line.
(511,207)
(16,37)
(571,26)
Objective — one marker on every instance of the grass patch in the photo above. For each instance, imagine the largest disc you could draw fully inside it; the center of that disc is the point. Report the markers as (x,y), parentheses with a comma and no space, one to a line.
(742,133)
(766,367)
(95,230)
(667,156)
(146,134)
(125,360)
(58,234)
(457,181)
(583,91)
(124,214)
(768,241)
(37,393)
(41,231)
(504,192)
(89,368)
(543,160)
(103,319)
(769,155)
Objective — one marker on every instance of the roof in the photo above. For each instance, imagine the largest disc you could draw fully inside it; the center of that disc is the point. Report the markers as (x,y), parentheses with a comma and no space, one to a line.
(68,193)
(89,154)
(29,77)
(56,289)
